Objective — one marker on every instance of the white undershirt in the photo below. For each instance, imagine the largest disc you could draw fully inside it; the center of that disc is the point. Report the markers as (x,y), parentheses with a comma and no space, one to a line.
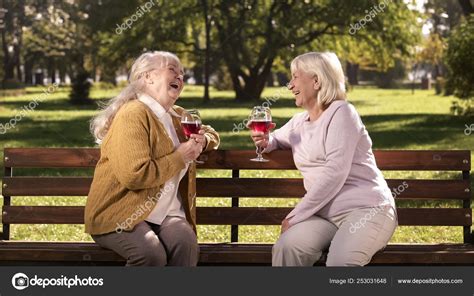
(169,203)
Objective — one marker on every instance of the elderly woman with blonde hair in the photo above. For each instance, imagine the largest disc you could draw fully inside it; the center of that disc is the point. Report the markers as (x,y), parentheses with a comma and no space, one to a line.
(135,206)
(348,207)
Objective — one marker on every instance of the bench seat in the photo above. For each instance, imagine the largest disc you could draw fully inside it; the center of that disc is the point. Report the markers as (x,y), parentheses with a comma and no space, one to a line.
(65,253)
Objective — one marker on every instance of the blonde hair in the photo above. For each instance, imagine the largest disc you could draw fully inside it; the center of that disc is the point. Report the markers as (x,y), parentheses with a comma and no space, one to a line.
(327,67)
(146,62)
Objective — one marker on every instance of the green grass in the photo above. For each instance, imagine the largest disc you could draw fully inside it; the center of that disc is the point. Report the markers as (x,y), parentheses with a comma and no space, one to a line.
(395,119)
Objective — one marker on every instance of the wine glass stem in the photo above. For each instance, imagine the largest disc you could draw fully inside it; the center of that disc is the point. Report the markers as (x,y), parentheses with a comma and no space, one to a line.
(196,161)
(259,152)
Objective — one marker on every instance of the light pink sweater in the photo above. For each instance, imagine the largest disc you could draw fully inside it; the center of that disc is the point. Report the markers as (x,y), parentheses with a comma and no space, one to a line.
(334,155)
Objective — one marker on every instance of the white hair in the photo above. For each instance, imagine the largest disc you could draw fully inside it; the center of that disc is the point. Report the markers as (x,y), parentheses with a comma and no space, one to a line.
(327,67)
(146,62)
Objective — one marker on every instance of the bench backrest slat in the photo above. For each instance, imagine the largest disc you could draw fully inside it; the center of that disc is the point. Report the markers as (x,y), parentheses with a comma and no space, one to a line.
(445,160)
(242,187)
(51,157)
(228,216)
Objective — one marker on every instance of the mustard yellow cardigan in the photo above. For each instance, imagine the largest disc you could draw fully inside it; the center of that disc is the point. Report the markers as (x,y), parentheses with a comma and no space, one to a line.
(137,158)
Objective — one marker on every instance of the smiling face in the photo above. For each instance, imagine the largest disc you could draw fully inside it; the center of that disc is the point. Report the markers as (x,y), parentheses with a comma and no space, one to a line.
(165,84)
(305,87)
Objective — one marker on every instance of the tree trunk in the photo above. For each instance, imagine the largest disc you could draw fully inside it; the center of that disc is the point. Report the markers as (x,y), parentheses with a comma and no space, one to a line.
(198,70)
(53,75)
(8,69)
(254,84)
(207,53)
(237,85)
(19,37)
(14,20)
(17,58)
(271,79)
(352,73)
(413,84)
(80,85)
(51,70)
(8,65)
(28,71)
(252,89)
(62,69)
(437,71)
(466,6)
(18,64)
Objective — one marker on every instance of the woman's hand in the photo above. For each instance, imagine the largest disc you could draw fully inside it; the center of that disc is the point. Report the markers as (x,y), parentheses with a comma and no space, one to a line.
(285,224)
(189,150)
(261,139)
(200,138)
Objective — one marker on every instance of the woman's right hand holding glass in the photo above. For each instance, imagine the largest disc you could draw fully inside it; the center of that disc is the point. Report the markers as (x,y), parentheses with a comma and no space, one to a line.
(260,138)
(190,150)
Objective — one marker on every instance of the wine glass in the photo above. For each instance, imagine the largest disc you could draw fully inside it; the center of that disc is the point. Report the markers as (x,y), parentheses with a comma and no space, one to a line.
(260,121)
(191,123)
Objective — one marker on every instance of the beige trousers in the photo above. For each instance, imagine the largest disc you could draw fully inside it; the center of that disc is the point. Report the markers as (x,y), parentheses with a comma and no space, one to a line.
(172,243)
(352,238)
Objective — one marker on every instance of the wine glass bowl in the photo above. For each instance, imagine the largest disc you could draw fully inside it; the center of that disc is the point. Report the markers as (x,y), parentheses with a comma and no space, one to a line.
(260,121)
(191,123)
(260,125)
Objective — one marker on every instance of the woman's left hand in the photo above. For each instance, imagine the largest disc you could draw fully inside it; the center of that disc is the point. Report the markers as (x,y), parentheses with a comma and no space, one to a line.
(285,224)
(199,138)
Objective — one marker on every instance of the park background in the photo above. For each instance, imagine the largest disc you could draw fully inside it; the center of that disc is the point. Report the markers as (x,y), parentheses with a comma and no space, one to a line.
(409,69)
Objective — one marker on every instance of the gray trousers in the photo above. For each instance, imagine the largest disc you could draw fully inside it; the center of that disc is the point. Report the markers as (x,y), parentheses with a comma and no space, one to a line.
(172,243)
(352,238)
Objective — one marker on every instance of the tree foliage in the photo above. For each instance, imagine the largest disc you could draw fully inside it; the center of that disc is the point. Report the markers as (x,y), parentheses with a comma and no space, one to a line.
(245,39)
(460,61)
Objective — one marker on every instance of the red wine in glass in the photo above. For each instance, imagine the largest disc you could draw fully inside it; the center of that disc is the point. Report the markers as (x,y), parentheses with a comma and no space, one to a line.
(260,125)
(191,128)
(260,121)
(191,123)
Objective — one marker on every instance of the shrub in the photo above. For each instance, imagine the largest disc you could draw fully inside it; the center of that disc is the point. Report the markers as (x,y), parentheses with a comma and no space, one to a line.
(12,84)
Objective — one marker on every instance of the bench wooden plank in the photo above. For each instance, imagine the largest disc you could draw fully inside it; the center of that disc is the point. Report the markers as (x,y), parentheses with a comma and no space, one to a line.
(231,216)
(46,186)
(392,254)
(228,253)
(242,187)
(423,160)
(274,216)
(43,214)
(55,251)
(418,160)
(276,187)
(51,157)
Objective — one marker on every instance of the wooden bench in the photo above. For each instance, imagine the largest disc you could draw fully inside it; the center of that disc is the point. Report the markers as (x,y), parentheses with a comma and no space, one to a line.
(455,188)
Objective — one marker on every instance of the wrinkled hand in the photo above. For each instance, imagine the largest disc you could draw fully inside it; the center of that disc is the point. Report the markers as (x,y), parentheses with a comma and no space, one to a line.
(199,138)
(261,139)
(189,150)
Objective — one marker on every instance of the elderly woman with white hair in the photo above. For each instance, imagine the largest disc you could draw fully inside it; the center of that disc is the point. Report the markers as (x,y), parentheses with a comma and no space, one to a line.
(348,207)
(134,206)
